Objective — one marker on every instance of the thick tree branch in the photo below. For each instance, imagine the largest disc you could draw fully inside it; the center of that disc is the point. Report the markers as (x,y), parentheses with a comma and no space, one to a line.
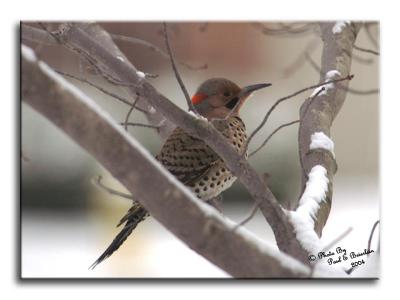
(93,43)
(32,34)
(171,203)
(315,146)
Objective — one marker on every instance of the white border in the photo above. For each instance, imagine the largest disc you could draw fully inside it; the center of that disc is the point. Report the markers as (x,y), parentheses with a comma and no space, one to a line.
(387,12)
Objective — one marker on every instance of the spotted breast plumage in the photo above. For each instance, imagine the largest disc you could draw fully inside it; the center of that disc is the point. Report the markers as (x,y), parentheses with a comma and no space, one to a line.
(196,165)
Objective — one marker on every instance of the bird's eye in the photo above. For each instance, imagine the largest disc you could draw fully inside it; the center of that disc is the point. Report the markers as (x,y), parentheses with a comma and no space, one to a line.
(227,94)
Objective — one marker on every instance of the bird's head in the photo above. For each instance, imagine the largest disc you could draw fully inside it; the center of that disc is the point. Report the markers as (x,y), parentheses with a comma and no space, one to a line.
(217,97)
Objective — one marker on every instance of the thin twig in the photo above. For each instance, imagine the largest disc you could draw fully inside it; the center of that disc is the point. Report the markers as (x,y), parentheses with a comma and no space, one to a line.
(337,240)
(299,61)
(97,182)
(348,89)
(130,112)
(270,136)
(216,202)
(349,77)
(284,29)
(119,98)
(349,271)
(178,77)
(360,59)
(252,213)
(154,48)
(360,92)
(371,235)
(330,245)
(140,125)
(57,35)
(366,50)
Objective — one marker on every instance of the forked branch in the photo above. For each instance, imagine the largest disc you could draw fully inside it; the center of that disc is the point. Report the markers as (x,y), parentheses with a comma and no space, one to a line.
(171,203)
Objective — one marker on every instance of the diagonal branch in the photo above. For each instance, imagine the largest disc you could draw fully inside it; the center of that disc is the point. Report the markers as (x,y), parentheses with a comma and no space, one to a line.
(171,203)
(78,37)
(94,31)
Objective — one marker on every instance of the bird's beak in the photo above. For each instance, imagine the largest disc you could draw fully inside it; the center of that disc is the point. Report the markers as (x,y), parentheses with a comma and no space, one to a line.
(247,90)
(237,101)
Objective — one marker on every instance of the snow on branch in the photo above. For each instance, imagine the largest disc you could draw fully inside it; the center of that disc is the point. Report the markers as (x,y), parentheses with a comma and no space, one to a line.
(330,86)
(317,116)
(303,218)
(172,204)
(339,26)
(320,140)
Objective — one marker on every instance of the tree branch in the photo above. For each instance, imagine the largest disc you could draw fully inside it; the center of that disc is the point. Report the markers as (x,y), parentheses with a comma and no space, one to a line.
(94,31)
(111,191)
(171,203)
(348,89)
(178,77)
(280,100)
(101,89)
(92,41)
(315,146)
(130,112)
(371,235)
(135,124)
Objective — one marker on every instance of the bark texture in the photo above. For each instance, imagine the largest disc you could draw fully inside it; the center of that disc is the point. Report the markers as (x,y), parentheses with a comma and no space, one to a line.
(172,204)
(318,115)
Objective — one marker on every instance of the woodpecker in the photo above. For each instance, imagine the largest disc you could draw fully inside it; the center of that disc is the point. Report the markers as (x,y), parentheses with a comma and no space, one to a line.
(190,159)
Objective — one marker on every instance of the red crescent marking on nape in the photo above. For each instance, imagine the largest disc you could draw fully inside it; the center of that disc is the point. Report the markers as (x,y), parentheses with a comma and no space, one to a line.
(197,98)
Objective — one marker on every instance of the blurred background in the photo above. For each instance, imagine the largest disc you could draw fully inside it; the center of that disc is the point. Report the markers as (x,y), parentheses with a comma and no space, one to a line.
(67,222)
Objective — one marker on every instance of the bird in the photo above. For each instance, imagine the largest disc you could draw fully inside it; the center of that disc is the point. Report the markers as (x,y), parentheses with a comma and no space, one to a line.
(190,159)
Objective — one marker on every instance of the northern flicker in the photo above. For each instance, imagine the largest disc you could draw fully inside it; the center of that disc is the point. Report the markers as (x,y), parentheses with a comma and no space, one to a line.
(191,160)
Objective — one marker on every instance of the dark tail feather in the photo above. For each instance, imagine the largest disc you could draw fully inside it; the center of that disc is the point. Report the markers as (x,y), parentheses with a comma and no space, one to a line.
(134,216)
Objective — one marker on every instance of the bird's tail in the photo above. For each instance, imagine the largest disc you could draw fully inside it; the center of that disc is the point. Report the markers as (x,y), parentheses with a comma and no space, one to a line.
(133,217)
